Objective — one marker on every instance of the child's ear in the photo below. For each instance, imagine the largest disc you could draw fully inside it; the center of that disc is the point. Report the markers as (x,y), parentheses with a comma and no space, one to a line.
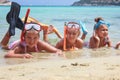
(50,29)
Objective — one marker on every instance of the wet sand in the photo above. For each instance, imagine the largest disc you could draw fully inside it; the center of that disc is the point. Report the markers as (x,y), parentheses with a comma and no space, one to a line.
(59,68)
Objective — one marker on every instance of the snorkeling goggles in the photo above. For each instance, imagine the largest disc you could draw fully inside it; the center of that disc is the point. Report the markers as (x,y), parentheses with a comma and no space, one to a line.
(29,26)
(73,25)
(69,25)
(34,26)
(77,26)
(101,22)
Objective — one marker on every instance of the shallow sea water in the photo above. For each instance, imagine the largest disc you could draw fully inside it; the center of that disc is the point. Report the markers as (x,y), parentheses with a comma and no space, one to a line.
(57,16)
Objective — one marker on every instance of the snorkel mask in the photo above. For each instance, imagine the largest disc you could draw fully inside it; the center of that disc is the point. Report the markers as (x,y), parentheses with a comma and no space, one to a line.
(101,22)
(28,27)
(68,26)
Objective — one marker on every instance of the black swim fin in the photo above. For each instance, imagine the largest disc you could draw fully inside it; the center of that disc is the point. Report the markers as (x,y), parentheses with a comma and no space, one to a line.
(20,24)
(13,18)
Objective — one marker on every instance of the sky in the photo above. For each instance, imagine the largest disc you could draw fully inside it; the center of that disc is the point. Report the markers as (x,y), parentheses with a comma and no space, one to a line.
(45,2)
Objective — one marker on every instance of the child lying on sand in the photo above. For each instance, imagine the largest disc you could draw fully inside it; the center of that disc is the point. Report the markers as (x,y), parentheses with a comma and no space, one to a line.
(100,36)
(29,43)
(71,39)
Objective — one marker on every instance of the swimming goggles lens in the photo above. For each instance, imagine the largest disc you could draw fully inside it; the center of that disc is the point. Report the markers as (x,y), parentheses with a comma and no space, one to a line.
(73,25)
(32,26)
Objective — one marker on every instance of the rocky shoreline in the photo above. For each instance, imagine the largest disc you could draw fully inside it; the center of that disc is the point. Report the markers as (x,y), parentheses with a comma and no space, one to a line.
(82,3)
(97,3)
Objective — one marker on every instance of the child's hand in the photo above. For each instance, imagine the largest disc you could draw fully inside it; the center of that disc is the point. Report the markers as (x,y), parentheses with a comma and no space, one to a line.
(60,53)
(27,55)
(117,45)
(95,36)
(107,39)
(50,29)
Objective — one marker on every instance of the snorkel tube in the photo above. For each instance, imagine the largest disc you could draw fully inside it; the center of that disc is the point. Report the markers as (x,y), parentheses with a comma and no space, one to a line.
(64,43)
(26,17)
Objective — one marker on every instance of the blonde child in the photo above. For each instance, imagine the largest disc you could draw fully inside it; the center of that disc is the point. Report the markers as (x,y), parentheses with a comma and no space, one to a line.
(100,36)
(29,43)
(73,42)
(47,29)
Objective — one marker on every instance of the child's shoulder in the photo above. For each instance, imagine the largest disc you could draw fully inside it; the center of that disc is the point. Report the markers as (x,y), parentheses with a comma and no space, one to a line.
(59,43)
(79,43)
(79,40)
(40,42)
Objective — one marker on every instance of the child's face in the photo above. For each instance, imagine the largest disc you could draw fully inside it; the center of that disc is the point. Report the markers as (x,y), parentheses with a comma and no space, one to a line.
(72,35)
(102,31)
(31,38)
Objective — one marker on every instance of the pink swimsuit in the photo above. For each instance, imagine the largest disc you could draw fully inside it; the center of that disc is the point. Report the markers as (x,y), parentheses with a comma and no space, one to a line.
(17,43)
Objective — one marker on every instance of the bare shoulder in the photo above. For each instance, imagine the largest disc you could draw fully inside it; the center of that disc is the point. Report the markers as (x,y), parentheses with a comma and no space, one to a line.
(47,47)
(42,44)
(19,49)
(79,43)
(59,44)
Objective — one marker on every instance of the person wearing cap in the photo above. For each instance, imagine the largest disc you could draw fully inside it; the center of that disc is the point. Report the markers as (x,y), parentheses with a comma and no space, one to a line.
(100,37)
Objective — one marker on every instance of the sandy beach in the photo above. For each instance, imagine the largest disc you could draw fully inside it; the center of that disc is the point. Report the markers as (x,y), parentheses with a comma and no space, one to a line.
(85,64)
(103,68)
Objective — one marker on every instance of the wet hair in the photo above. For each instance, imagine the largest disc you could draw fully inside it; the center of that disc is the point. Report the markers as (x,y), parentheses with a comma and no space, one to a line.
(98,19)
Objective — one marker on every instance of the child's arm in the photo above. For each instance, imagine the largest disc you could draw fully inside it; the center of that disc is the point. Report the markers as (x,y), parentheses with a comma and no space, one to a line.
(108,41)
(79,43)
(59,45)
(48,30)
(45,36)
(16,53)
(83,36)
(5,41)
(117,45)
(47,47)
(94,41)
(84,30)
(109,44)
(52,29)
